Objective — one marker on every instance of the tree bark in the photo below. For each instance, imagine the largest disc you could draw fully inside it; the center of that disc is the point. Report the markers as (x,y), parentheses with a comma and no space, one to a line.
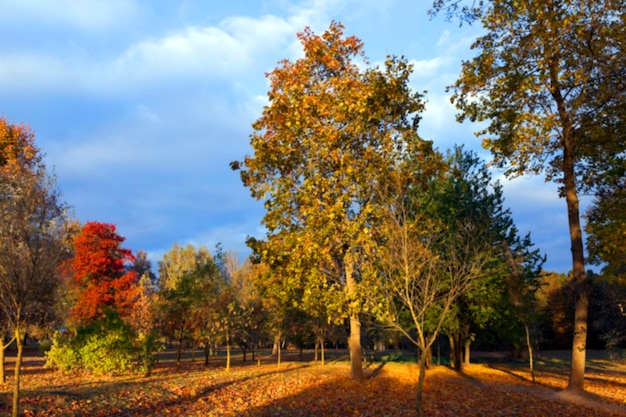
(466,356)
(530,353)
(18,368)
(179,353)
(458,347)
(227,351)
(580,280)
(579,276)
(354,340)
(452,351)
(420,384)
(278,352)
(3,378)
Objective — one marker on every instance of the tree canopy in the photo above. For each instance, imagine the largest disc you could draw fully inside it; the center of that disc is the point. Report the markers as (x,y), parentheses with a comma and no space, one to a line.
(330,133)
(548,80)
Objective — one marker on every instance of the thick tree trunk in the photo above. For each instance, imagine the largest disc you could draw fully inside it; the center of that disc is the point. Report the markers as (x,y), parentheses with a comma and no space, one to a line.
(579,278)
(207,354)
(16,378)
(458,353)
(354,340)
(466,356)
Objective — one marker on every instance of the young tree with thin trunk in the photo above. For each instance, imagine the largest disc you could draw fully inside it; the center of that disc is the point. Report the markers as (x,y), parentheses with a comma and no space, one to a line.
(330,132)
(549,81)
(32,241)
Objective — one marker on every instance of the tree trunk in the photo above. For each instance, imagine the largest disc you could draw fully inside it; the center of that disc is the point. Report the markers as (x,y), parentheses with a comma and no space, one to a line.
(278,351)
(322,351)
(18,368)
(3,377)
(227,352)
(579,278)
(420,384)
(354,340)
(530,353)
(276,344)
(179,353)
(452,351)
(207,354)
(429,359)
(466,356)
(458,352)
(438,351)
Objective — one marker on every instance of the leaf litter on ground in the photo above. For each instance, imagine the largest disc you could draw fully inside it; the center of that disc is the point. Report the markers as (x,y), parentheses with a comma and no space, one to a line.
(309,389)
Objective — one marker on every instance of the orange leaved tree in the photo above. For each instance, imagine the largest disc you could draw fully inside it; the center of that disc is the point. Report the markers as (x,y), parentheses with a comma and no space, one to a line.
(32,230)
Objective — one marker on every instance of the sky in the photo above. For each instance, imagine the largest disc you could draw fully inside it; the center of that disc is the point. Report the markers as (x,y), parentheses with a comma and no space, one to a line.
(139,106)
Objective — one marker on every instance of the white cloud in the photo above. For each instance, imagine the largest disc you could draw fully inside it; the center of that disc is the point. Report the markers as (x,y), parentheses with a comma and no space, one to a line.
(83,14)
(430,67)
(228,51)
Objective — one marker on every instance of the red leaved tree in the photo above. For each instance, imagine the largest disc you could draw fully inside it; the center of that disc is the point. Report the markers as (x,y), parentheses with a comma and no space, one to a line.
(98,273)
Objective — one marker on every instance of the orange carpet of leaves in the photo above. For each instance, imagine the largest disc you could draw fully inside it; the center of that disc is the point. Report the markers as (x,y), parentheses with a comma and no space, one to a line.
(308,389)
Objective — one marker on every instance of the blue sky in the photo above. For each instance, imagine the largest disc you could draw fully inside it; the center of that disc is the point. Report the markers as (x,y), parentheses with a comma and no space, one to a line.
(141,105)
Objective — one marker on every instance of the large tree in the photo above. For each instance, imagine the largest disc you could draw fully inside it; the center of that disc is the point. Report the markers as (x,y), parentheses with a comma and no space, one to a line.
(32,229)
(549,82)
(330,132)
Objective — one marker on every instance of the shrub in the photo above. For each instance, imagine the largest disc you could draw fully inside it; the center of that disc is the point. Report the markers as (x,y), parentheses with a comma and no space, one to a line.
(103,347)
(62,354)
(108,353)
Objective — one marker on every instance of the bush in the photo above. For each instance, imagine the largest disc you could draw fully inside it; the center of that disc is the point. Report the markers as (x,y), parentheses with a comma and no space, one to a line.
(107,353)
(62,354)
(103,347)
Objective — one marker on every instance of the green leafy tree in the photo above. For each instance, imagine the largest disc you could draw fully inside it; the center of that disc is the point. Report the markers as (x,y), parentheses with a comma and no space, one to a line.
(548,80)
(185,276)
(522,283)
(478,224)
(606,226)
(330,132)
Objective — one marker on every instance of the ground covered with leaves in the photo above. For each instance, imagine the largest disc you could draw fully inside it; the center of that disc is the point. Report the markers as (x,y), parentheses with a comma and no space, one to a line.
(309,389)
